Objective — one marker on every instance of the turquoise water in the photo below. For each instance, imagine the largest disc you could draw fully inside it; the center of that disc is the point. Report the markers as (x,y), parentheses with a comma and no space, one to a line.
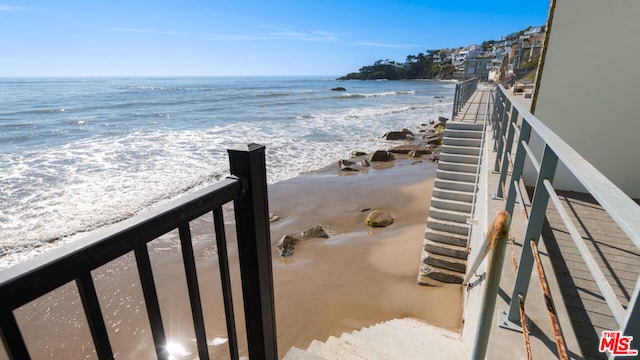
(79,153)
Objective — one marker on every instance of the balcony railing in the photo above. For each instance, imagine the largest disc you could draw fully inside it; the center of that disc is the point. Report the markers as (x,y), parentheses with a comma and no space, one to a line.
(513,125)
(74,262)
(463,92)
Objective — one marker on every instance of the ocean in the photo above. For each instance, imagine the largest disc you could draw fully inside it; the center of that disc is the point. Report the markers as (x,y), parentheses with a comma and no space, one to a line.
(77,154)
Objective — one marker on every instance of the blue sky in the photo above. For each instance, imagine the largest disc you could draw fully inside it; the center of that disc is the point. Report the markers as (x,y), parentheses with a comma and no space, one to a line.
(241,37)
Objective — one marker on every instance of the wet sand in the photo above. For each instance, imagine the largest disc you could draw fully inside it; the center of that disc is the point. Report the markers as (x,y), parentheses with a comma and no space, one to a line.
(358,277)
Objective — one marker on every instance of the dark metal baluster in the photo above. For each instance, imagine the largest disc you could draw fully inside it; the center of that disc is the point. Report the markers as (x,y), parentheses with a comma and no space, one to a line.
(151,300)
(539,203)
(507,151)
(194,290)
(225,279)
(91,305)
(518,166)
(254,250)
(11,337)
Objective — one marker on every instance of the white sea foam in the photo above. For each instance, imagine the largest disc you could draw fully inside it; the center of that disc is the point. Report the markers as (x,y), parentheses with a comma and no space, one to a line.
(50,195)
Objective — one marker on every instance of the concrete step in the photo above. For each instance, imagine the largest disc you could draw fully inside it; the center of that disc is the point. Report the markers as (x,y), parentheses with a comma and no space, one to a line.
(396,339)
(455,175)
(367,348)
(459,125)
(452,195)
(459,158)
(342,350)
(330,350)
(454,185)
(455,141)
(449,226)
(449,215)
(451,166)
(449,204)
(472,134)
(446,262)
(404,342)
(434,276)
(298,354)
(446,237)
(455,251)
(465,150)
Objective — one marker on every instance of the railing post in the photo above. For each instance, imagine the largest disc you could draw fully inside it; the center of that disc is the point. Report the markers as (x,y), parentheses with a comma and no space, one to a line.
(632,319)
(498,236)
(247,162)
(507,150)
(497,109)
(532,233)
(518,166)
(501,133)
(456,95)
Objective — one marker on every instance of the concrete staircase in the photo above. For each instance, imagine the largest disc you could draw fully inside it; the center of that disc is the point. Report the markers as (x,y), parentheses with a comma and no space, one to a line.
(395,339)
(444,255)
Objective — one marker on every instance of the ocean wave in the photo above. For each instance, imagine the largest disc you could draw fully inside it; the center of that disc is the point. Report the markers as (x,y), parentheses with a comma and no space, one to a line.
(128,160)
(387,93)
(276,94)
(154,88)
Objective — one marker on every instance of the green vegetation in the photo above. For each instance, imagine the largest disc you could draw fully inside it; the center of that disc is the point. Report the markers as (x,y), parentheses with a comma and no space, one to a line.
(419,66)
(435,64)
(530,65)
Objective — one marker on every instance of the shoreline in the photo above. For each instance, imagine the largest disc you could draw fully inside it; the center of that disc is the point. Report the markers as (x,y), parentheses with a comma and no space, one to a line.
(381,263)
(358,277)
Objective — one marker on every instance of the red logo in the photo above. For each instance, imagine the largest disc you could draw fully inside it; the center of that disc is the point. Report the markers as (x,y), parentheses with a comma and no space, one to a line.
(616,343)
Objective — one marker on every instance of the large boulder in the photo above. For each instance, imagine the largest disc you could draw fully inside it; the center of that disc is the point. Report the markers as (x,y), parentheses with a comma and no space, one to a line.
(348,165)
(288,243)
(379,218)
(406,149)
(435,139)
(398,135)
(314,233)
(339,88)
(381,155)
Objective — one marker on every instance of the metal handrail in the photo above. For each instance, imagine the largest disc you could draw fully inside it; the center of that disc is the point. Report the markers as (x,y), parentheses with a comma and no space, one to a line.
(622,209)
(485,244)
(75,261)
(497,238)
(463,92)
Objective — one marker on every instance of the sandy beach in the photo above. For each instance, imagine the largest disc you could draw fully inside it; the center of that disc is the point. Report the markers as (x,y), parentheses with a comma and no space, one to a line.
(358,277)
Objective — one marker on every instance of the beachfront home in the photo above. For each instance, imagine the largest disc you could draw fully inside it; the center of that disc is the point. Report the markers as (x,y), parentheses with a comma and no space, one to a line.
(478,67)
(590,104)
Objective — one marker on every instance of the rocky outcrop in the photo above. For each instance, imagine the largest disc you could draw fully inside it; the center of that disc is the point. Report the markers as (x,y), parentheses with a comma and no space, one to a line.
(381,155)
(379,218)
(288,243)
(408,149)
(405,134)
(348,165)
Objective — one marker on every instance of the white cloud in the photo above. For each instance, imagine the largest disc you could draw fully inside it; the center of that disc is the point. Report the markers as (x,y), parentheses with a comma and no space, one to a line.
(11,8)
(393,46)
(312,36)
(279,34)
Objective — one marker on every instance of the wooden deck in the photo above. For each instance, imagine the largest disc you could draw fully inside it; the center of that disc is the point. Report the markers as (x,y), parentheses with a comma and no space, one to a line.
(615,254)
